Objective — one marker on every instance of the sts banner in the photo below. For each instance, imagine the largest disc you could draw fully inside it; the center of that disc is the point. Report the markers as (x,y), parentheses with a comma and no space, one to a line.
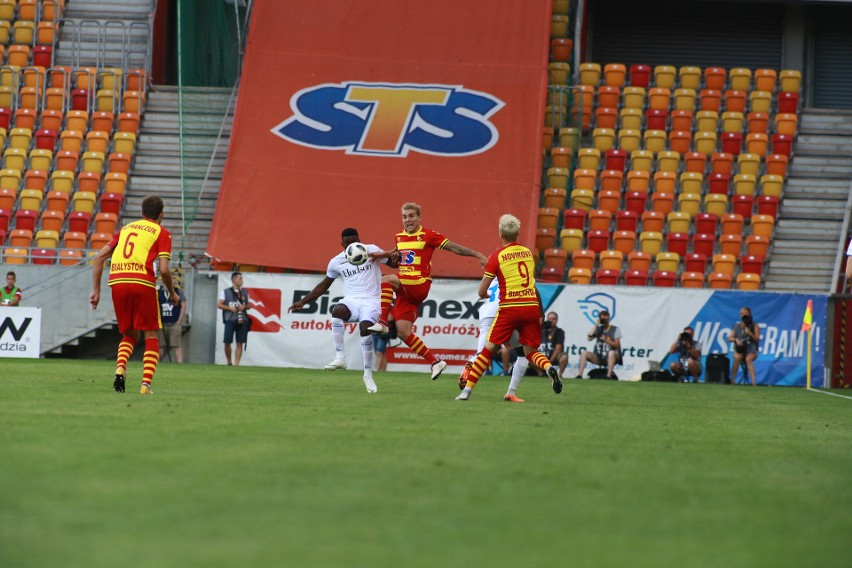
(650,320)
(20,332)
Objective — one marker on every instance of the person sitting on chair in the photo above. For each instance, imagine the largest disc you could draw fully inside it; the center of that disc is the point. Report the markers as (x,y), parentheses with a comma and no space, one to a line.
(688,353)
(607,350)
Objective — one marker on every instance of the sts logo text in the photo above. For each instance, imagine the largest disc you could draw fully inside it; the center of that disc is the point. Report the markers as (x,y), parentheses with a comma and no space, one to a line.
(391,119)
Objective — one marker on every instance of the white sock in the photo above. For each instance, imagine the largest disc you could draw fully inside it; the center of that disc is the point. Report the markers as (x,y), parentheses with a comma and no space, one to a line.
(518,372)
(337,335)
(369,353)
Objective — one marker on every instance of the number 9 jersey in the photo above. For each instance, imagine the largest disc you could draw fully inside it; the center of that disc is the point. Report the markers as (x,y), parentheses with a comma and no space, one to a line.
(514,268)
(135,247)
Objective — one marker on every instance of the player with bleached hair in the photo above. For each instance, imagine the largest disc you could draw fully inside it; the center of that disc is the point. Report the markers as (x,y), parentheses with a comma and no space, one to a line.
(513,266)
(487,313)
(360,302)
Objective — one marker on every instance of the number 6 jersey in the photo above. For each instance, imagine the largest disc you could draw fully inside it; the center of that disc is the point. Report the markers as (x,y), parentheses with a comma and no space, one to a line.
(135,247)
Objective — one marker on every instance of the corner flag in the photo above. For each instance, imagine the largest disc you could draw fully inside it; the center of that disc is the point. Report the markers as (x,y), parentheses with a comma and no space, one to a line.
(808,320)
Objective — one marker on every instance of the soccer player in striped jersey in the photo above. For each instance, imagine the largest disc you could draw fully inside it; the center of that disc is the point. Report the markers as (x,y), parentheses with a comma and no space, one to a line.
(487,313)
(133,249)
(520,306)
(415,245)
(360,302)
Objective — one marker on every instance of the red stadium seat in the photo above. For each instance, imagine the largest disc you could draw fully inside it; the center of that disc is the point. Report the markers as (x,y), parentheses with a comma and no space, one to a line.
(606,277)
(111,203)
(676,242)
(626,220)
(26,219)
(743,205)
(78,221)
(751,264)
(616,159)
(706,223)
(640,75)
(782,144)
(598,240)
(655,119)
(768,205)
(574,219)
(636,277)
(44,256)
(718,183)
(664,279)
(695,262)
(704,243)
(551,274)
(635,201)
(732,143)
(788,102)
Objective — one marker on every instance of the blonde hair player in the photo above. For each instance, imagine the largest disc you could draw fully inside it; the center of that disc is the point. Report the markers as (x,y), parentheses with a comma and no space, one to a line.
(520,306)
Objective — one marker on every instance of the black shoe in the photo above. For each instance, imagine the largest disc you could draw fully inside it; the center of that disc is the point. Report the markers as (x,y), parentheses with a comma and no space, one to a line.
(118,383)
(553,373)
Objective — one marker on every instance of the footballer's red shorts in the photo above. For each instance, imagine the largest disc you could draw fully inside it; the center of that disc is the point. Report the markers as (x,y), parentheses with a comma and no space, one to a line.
(524,319)
(136,307)
(408,300)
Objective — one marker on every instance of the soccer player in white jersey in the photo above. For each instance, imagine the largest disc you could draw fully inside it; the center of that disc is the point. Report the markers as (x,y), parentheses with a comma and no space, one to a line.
(487,313)
(360,302)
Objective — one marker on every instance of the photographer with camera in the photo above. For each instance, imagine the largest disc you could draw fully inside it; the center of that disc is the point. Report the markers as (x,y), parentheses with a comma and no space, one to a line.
(234,302)
(745,335)
(688,352)
(607,350)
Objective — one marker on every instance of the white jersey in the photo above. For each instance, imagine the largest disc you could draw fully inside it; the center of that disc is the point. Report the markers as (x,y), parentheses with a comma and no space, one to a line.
(363,281)
(492,302)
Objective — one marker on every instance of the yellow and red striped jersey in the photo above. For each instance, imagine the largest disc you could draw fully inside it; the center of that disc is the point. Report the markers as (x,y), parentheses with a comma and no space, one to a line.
(415,254)
(135,247)
(514,268)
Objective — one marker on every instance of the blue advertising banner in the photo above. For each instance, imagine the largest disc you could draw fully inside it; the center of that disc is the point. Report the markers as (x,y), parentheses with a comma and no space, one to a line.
(650,320)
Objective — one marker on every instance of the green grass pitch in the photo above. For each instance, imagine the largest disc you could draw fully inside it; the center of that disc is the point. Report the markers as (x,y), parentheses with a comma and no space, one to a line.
(303,468)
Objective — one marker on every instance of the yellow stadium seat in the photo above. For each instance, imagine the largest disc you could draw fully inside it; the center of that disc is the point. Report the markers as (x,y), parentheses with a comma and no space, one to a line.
(691,182)
(740,79)
(655,140)
(628,140)
(715,203)
(47,239)
(771,185)
(83,201)
(579,276)
(641,160)
(631,118)
(669,261)
(684,99)
(732,122)
(31,199)
(748,163)
(690,203)
(633,97)
(590,74)
(582,199)
(678,221)
(10,179)
(744,184)
(668,161)
(651,242)
(62,180)
(790,81)
(690,77)
(588,158)
(761,101)
(571,239)
(706,120)
(603,138)
(15,159)
(664,76)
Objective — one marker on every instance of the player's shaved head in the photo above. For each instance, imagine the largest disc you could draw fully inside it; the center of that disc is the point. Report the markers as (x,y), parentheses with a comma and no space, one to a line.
(349,232)
(510,227)
(152,207)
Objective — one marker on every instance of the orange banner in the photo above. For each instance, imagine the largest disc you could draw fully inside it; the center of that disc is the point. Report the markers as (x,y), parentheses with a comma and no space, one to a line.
(348,109)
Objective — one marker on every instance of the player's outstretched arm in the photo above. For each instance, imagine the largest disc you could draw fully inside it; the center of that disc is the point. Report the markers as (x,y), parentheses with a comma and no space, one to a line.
(97,272)
(464,251)
(318,291)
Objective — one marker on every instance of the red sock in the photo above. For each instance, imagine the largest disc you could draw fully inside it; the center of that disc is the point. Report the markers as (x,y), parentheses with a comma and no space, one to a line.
(479,365)
(125,350)
(387,300)
(416,344)
(150,359)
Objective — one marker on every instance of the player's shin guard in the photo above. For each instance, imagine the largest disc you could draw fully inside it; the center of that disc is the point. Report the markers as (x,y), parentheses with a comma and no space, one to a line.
(337,336)
(150,359)
(538,359)
(387,300)
(483,360)
(125,350)
(368,351)
(416,344)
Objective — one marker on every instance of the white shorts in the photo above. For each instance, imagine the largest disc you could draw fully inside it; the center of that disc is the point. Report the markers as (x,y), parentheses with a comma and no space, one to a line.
(362,309)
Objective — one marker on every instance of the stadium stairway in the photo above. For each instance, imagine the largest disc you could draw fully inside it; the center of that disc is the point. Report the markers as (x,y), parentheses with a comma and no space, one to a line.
(134,14)
(157,169)
(813,205)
